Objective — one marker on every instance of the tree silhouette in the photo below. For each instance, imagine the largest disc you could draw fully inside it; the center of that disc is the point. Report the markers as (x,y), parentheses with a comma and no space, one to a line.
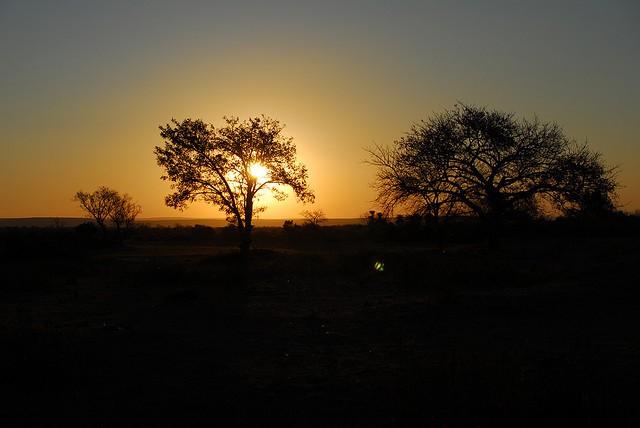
(415,183)
(106,203)
(488,163)
(588,185)
(99,205)
(123,215)
(230,167)
(314,217)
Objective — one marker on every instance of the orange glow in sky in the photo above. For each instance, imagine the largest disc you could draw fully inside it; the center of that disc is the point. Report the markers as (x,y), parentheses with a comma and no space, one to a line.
(85,85)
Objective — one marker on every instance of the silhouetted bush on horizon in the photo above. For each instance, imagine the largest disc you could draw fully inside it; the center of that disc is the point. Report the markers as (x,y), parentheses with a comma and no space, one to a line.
(24,242)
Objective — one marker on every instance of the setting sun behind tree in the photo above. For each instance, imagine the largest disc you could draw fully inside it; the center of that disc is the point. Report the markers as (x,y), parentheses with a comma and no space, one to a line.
(210,164)
(259,171)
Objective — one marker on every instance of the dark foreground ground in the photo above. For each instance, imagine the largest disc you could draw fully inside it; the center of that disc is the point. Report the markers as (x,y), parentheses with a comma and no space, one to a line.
(544,332)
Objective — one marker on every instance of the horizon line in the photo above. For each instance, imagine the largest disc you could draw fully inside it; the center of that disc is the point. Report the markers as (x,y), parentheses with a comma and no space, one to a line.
(167,218)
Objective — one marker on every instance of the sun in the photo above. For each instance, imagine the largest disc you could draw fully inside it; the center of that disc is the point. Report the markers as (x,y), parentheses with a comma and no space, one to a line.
(258,171)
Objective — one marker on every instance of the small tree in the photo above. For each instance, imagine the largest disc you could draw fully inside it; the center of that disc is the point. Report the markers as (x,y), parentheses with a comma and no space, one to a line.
(123,215)
(230,167)
(99,205)
(314,217)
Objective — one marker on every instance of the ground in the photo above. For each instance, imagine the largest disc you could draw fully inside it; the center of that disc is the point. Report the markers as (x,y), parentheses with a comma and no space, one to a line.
(182,333)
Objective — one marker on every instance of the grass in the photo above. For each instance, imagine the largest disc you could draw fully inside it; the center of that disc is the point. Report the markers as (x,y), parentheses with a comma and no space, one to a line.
(178,333)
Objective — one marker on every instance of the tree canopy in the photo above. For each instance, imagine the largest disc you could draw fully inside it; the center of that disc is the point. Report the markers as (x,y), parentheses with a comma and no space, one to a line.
(486,163)
(98,204)
(105,203)
(230,167)
(313,218)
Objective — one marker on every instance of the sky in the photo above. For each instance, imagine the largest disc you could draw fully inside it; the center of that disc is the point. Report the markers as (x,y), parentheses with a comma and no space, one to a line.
(85,84)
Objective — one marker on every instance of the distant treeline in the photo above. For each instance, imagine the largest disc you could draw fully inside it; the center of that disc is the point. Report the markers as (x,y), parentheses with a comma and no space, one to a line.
(57,222)
(65,240)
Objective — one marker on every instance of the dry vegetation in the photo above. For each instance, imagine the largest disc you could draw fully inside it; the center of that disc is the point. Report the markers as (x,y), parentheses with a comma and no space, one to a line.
(170,330)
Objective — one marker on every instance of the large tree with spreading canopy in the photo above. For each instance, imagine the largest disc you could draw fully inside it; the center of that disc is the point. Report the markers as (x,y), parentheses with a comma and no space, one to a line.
(231,167)
(487,163)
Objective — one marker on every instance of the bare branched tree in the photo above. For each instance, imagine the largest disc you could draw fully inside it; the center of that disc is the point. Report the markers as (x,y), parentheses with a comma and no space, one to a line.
(106,203)
(124,215)
(416,185)
(314,217)
(488,163)
(588,184)
(99,205)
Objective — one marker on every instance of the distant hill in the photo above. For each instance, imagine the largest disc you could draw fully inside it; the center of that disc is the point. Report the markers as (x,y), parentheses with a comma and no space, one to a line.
(158,222)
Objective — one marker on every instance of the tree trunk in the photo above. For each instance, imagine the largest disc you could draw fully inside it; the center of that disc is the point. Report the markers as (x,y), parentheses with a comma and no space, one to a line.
(117,234)
(245,244)
(104,229)
(494,231)
(439,235)
(245,234)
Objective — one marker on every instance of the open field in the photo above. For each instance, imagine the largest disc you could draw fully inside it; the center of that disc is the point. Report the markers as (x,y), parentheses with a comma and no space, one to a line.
(176,333)
(160,222)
